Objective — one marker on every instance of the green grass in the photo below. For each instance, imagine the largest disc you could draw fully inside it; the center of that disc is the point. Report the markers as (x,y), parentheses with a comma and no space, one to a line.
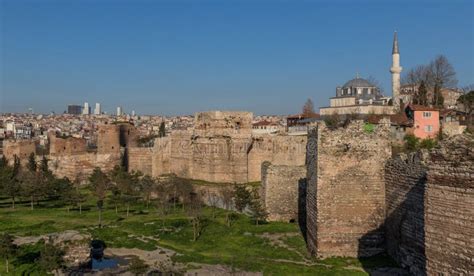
(240,246)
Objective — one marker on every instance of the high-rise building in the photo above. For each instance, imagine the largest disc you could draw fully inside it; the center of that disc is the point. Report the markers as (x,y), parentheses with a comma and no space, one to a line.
(87,109)
(119,111)
(133,112)
(74,109)
(97,110)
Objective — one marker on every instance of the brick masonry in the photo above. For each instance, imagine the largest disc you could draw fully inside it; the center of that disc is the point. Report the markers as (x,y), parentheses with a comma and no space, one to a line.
(346,190)
(430,214)
(280,190)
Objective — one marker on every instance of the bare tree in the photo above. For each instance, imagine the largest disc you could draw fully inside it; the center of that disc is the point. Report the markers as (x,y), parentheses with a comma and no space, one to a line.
(443,75)
(308,108)
(194,211)
(375,82)
(213,201)
(227,199)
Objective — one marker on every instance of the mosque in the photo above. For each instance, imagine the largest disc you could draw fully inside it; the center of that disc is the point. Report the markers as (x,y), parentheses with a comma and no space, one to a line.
(360,96)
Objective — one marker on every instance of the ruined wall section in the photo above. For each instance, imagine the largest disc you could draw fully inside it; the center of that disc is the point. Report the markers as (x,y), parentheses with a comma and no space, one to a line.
(80,166)
(280,190)
(449,212)
(66,146)
(277,149)
(405,180)
(21,148)
(346,189)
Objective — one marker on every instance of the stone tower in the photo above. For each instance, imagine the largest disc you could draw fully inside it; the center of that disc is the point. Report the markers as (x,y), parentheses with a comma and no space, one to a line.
(396,69)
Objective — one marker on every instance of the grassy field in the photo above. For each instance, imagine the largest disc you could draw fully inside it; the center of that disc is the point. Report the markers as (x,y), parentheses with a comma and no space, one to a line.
(273,248)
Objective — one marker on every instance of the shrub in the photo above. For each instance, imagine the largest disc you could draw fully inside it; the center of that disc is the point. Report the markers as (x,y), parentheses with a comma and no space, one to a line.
(411,142)
(427,143)
(369,128)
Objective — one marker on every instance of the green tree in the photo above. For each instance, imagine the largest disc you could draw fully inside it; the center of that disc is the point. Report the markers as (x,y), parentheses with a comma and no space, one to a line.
(421,97)
(162,130)
(257,209)
(411,142)
(51,257)
(8,249)
(32,162)
(99,186)
(3,162)
(44,165)
(10,181)
(242,197)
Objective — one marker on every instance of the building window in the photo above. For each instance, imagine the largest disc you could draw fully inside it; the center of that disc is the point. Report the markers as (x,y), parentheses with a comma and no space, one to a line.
(426,114)
(428,128)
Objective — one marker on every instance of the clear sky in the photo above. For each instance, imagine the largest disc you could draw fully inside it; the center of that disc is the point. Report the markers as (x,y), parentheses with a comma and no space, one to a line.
(178,57)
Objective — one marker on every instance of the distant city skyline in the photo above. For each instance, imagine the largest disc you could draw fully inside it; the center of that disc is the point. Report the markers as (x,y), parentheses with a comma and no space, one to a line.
(172,58)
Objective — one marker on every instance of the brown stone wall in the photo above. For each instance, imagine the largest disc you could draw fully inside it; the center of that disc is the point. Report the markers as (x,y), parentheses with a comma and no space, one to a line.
(20,148)
(80,166)
(66,146)
(405,179)
(346,189)
(449,209)
(280,190)
(108,139)
(279,150)
(140,159)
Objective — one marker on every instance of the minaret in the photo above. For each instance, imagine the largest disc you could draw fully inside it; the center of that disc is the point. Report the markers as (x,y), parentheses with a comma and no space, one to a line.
(396,69)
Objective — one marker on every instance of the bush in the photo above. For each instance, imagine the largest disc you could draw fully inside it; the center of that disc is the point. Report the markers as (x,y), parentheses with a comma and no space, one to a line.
(411,142)
(369,128)
(427,143)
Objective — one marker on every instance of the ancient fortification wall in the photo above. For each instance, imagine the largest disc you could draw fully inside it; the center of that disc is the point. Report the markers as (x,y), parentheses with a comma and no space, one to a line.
(346,189)
(69,156)
(429,197)
(405,179)
(140,159)
(221,148)
(280,190)
(279,150)
(66,146)
(21,148)
(80,166)
(449,208)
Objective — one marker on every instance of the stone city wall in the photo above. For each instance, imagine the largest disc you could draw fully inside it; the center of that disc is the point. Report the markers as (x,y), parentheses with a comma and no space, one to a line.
(405,180)
(66,146)
(140,159)
(345,199)
(449,208)
(221,149)
(280,190)
(80,166)
(21,148)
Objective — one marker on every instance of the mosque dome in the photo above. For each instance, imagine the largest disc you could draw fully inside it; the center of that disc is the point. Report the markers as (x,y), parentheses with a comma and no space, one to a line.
(358,82)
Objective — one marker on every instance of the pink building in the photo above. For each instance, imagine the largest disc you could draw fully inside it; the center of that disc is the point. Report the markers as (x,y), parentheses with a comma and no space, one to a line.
(425,120)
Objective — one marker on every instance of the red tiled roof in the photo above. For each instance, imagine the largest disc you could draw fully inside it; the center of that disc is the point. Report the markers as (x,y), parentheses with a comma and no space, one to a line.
(416,107)
(264,123)
(303,116)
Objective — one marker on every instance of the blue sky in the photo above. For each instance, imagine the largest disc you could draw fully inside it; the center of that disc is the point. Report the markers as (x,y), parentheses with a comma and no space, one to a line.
(179,57)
